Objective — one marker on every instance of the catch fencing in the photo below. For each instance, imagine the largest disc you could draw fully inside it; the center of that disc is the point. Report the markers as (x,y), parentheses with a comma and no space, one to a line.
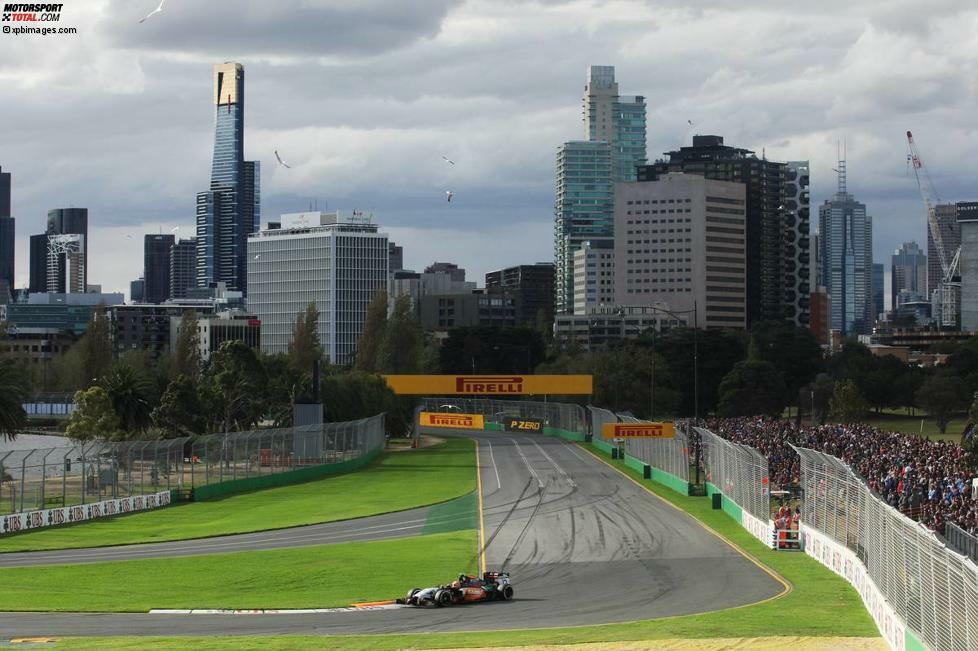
(667,455)
(961,541)
(915,587)
(566,417)
(738,471)
(96,471)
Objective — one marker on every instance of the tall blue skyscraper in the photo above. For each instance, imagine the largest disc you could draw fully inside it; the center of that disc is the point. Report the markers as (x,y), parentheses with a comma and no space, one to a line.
(6,234)
(230,210)
(587,170)
(846,239)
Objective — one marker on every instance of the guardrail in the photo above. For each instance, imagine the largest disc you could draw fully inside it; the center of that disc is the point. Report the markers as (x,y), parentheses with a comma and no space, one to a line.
(92,472)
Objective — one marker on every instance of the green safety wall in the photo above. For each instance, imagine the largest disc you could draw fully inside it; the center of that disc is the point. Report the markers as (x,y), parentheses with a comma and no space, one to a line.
(564,434)
(601,445)
(730,507)
(912,643)
(211,491)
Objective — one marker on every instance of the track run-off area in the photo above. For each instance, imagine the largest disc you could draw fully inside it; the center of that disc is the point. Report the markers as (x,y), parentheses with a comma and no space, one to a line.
(584,545)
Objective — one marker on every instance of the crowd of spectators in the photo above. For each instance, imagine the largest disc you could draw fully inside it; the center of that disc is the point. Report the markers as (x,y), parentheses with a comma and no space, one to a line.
(928,480)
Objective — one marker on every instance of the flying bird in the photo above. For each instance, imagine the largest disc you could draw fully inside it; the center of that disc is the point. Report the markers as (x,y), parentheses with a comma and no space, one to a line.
(448,160)
(450,195)
(155,11)
(281,162)
(257,256)
(174,229)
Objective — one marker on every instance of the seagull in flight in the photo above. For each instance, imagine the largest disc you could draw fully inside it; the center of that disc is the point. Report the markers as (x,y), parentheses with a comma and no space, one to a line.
(282,162)
(448,160)
(174,229)
(155,11)
(450,195)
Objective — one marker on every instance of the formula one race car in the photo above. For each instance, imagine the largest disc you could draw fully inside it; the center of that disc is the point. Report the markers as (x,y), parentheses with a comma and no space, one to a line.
(493,586)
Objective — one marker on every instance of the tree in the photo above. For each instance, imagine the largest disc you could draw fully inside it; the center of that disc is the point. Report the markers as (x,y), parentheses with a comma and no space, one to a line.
(492,349)
(130,393)
(234,386)
(401,348)
(186,357)
(94,416)
(719,351)
(818,396)
(180,412)
(848,404)
(14,390)
(305,347)
(941,395)
(793,351)
(284,387)
(96,348)
(372,338)
(752,387)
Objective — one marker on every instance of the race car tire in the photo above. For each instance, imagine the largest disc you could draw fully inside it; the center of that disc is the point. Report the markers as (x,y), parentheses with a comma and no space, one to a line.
(443,598)
(412,592)
(506,593)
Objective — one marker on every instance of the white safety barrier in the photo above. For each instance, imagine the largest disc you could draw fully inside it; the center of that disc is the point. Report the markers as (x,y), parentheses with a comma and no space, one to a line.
(66,514)
(846,564)
(760,529)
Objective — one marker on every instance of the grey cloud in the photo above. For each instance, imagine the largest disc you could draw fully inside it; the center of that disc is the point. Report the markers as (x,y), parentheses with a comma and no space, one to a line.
(280,27)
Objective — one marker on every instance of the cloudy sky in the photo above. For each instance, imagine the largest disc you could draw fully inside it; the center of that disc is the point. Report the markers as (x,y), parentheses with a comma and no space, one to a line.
(363,97)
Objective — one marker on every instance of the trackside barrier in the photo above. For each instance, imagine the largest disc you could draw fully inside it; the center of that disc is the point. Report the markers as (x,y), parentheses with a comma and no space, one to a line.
(54,481)
(568,421)
(920,593)
(70,514)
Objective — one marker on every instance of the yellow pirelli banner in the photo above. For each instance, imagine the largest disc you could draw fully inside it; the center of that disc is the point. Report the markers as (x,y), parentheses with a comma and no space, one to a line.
(490,385)
(638,431)
(452,421)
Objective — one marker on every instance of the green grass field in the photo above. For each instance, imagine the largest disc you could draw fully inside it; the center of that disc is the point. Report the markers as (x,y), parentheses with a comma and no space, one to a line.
(303,577)
(820,604)
(900,422)
(399,480)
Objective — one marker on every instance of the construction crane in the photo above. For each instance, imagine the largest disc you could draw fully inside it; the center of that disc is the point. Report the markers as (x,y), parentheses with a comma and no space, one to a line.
(949,289)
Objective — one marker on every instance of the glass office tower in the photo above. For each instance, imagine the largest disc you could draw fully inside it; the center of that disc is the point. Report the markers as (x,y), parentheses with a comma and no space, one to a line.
(230,210)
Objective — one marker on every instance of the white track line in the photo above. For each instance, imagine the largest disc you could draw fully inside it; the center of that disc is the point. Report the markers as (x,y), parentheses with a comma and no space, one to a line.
(554,463)
(197,549)
(526,462)
(297,611)
(494,468)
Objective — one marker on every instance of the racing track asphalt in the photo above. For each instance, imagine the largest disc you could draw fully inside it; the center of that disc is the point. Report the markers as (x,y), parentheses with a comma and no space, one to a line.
(583,543)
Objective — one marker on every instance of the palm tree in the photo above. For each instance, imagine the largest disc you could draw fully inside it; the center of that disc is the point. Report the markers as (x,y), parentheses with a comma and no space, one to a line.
(14,390)
(129,390)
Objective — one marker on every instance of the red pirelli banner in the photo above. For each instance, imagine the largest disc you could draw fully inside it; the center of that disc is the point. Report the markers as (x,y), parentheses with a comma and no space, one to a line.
(638,431)
(490,385)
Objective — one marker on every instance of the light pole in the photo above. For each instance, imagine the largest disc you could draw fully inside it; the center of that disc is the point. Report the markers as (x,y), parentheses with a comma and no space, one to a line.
(676,316)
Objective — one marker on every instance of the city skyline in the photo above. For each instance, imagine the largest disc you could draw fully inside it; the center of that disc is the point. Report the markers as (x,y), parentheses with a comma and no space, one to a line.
(377,146)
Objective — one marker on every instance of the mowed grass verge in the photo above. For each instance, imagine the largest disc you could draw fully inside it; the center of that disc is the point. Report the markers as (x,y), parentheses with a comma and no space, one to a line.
(820,605)
(397,481)
(320,576)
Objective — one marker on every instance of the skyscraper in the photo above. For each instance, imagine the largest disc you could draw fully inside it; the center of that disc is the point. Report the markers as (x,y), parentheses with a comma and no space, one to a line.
(183,258)
(6,233)
(908,273)
(230,210)
(947,222)
(615,128)
(584,209)
(156,267)
(615,119)
(878,307)
(51,253)
(777,221)
(846,233)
